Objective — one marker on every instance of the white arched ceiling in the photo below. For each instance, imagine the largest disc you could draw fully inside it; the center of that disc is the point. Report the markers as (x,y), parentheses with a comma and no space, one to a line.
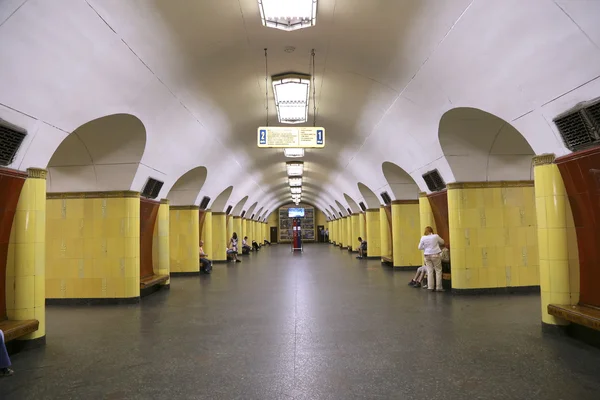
(193,72)
(402,185)
(237,210)
(220,202)
(482,147)
(352,204)
(103,154)
(187,188)
(371,200)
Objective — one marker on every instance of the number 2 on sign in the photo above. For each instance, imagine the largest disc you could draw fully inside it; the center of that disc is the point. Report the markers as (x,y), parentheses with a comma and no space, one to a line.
(263,137)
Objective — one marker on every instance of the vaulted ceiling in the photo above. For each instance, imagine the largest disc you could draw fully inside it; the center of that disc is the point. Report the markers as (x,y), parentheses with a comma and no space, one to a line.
(387,72)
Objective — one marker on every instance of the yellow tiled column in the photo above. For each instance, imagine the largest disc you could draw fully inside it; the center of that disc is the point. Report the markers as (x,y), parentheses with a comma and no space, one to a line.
(559,257)
(184,238)
(161,243)
(349,241)
(373,233)
(93,246)
(493,234)
(425,214)
(26,261)
(362,226)
(237,228)
(406,233)
(333,232)
(384,234)
(245,229)
(355,223)
(207,234)
(219,236)
(342,233)
(229,220)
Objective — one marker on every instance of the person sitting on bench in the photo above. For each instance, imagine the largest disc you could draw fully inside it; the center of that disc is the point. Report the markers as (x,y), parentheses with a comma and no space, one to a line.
(255,245)
(416,282)
(4,359)
(362,249)
(205,263)
(245,247)
(232,249)
(267,242)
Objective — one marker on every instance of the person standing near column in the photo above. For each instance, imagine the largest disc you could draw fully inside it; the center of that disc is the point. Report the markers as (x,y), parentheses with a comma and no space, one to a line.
(430,244)
(4,359)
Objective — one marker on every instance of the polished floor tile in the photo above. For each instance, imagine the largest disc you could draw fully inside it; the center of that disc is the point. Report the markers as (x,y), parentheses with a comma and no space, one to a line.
(316,325)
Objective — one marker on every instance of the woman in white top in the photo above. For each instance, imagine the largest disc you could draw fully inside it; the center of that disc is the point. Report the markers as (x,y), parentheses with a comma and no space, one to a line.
(430,244)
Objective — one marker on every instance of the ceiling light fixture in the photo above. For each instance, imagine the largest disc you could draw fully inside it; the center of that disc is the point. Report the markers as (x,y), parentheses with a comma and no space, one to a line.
(294,182)
(295,168)
(292,94)
(296,190)
(288,15)
(293,153)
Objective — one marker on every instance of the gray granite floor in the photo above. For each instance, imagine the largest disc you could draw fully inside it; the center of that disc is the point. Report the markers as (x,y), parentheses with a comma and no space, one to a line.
(317,325)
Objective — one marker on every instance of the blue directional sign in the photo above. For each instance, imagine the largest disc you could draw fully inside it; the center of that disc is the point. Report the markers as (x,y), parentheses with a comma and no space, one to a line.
(319,136)
(263,136)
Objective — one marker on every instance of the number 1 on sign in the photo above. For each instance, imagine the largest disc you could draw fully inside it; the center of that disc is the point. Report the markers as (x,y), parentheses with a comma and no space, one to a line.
(319,137)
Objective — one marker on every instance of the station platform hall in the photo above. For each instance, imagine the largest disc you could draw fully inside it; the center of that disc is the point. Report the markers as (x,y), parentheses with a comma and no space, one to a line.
(299,199)
(310,325)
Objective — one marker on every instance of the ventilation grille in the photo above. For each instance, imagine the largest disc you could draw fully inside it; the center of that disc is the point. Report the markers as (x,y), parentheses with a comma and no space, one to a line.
(349,211)
(341,216)
(204,202)
(386,198)
(152,188)
(362,206)
(228,210)
(243,213)
(580,126)
(252,217)
(11,139)
(434,181)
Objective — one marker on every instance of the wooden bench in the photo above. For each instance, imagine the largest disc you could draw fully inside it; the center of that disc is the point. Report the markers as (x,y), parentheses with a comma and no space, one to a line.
(15,329)
(152,280)
(387,260)
(579,314)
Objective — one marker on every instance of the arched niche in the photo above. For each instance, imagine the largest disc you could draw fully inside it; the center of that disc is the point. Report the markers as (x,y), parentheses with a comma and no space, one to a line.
(258,214)
(341,208)
(401,183)
(221,201)
(185,191)
(250,210)
(352,204)
(482,147)
(237,210)
(370,198)
(101,155)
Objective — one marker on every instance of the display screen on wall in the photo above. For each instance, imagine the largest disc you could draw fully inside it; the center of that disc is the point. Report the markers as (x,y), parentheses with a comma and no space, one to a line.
(295,212)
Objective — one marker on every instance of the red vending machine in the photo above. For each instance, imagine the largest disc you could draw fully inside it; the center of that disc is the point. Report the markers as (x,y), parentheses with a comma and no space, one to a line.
(296,235)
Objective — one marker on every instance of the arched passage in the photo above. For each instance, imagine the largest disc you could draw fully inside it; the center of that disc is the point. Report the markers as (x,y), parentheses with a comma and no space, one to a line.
(341,208)
(401,183)
(220,202)
(185,191)
(352,204)
(481,147)
(237,210)
(369,196)
(103,154)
